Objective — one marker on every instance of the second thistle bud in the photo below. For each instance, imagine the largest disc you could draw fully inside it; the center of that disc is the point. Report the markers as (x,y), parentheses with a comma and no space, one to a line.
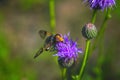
(89,31)
(65,62)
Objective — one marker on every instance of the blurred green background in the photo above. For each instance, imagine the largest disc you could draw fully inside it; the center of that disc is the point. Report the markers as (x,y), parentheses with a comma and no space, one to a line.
(20,21)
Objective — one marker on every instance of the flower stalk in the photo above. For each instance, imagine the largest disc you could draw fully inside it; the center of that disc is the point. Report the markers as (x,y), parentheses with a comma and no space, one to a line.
(100,40)
(86,54)
(102,29)
(94,16)
(52,15)
(85,59)
(63,73)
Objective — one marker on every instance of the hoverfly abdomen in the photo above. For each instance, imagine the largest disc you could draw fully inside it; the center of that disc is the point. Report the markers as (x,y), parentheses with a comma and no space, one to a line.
(48,43)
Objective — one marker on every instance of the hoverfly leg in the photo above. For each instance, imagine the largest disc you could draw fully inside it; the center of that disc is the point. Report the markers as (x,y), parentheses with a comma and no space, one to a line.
(38,52)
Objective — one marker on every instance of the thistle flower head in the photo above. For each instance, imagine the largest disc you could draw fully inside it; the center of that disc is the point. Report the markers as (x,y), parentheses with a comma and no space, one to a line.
(67,51)
(101,4)
(89,31)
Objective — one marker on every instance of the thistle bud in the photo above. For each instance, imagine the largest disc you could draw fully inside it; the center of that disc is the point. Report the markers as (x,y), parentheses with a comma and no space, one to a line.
(89,31)
(65,62)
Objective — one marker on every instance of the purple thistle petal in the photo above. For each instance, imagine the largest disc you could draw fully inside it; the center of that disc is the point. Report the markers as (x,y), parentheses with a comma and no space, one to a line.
(67,49)
(100,4)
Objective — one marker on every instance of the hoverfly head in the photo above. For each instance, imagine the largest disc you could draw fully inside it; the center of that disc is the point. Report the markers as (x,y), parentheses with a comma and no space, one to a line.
(59,38)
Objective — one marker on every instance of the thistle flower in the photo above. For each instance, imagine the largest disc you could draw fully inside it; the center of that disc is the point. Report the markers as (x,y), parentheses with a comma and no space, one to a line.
(67,51)
(89,31)
(101,4)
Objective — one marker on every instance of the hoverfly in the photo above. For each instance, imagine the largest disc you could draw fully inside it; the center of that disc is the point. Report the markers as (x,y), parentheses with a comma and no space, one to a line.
(50,40)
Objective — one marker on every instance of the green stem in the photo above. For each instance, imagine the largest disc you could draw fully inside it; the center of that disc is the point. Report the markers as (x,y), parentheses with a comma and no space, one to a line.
(87,49)
(101,57)
(85,59)
(94,16)
(102,30)
(100,60)
(103,27)
(52,15)
(63,73)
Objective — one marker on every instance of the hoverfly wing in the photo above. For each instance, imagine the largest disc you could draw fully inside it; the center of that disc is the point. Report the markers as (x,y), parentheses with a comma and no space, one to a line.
(44,33)
(38,52)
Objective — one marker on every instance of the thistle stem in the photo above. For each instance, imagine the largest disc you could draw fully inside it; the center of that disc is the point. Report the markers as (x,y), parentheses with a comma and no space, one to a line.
(52,15)
(94,16)
(63,73)
(85,59)
(99,61)
(102,29)
(100,39)
(87,49)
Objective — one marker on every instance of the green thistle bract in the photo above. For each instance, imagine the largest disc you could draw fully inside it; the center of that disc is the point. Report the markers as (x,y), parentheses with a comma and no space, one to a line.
(89,31)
